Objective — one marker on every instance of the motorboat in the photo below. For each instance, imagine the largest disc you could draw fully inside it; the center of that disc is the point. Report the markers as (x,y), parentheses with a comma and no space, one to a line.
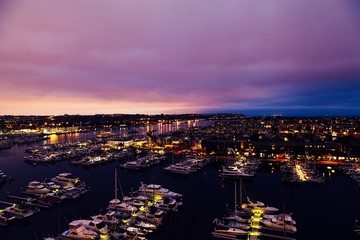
(19,211)
(36,188)
(230,224)
(5,218)
(156,189)
(121,206)
(145,225)
(108,218)
(257,205)
(231,231)
(96,225)
(77,231)
(66,179)
(279,225)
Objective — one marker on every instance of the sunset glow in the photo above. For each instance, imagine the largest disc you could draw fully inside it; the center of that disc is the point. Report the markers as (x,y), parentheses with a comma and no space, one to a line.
(88,57)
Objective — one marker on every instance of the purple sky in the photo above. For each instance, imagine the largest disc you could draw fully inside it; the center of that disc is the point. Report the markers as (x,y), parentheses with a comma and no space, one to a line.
(184,56)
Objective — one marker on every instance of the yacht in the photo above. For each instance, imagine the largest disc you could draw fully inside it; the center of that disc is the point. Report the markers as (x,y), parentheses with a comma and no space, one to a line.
(145,225)
(36,188)
(66,179)
(252,205)
(156,189)
(281,217)
(108,218)
(121,206)
(231,231)
(19,211)
(179,168)
(5,218)
(279,225)
(70,192)
(167,204)
(234,171)
(96,225)
(231,224)
(77,231)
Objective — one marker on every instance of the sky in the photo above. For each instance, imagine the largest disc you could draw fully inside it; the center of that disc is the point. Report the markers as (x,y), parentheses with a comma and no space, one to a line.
(180,56)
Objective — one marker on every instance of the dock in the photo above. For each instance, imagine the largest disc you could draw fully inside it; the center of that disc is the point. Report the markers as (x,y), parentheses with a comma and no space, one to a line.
(27,201)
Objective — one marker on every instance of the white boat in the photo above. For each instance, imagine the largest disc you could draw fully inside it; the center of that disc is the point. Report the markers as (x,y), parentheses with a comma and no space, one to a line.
(133,202)
(280,217)
(70,192)
(253,205)
(237,219)
(145,225)
(134,165)
(231,231)
(108,218)
(66,179)
(168,204)
(156,189)
(234,171)
(77,231)
(279,225)
(36,188)
(19,211)
(138,231)
(231,224)
(121,206)
(52,186)
(179,168)
(96,225)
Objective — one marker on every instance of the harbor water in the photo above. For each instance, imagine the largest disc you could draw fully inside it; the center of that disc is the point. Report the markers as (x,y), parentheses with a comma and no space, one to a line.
(324,211)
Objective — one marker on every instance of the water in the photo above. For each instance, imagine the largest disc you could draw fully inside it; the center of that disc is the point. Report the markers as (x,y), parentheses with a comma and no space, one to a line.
(321,211)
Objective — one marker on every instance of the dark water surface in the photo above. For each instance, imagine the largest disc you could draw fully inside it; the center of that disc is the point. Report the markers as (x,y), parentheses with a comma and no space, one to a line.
(321,211)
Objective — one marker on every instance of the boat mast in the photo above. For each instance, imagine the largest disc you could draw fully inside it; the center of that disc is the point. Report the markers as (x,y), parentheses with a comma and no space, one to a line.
(116,184)
(235,209)
(241,200)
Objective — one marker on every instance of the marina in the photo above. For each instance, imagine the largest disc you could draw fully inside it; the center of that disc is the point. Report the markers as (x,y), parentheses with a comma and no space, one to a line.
(203,201)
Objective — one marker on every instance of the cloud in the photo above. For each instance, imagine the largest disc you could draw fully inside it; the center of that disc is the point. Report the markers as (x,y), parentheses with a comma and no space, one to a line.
(199,54)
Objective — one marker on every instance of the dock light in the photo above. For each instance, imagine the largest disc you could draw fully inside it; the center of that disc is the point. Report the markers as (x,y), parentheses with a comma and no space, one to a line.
(142,208)
(104,236)
(255,233)
(157,198)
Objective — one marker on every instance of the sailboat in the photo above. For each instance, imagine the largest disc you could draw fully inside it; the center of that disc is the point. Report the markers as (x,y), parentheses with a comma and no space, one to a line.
(116,204)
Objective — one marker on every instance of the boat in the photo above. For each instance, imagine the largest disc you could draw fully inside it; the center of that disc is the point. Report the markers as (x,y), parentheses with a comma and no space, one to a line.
(138,231)
(230,224)
(279,225)
(281,217)
(70,192)
(168,204)
(156,189)
(77,231)
(179,168)
(66,179)
(235,172)
(132,165)
(5,218)
(108,218)
(257,205)
(36,188)
(145,225)
(231,231)
(116,204)
(134,202)
(19,211)
(96,225)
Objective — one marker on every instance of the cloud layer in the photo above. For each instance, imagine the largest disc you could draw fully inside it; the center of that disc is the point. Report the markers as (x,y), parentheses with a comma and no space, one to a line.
(178,56)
